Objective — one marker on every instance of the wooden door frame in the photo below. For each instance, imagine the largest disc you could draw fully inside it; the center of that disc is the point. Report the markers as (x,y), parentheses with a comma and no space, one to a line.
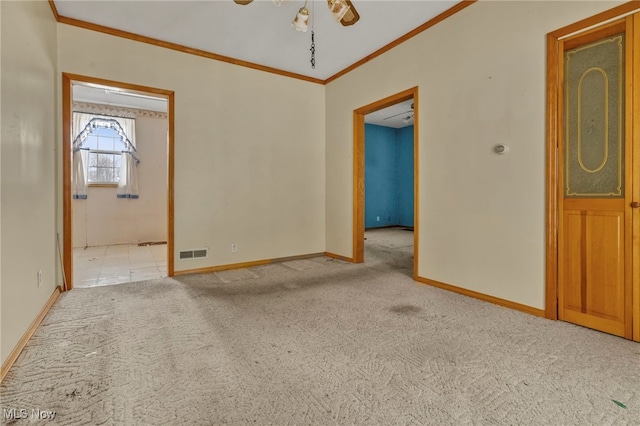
(554,96)
(636,178)
(358,171)
(67,110)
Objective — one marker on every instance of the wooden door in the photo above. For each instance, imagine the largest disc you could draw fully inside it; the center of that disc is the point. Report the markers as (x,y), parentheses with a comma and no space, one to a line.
(595,171)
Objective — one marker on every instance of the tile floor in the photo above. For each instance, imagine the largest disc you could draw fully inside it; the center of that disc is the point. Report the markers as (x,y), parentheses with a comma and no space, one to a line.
(97,266)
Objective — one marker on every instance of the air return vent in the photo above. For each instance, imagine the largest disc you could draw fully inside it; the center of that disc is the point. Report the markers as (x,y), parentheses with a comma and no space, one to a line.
(193,254)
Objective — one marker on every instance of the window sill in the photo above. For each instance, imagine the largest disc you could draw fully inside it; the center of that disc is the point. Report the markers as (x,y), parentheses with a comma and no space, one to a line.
(103,185)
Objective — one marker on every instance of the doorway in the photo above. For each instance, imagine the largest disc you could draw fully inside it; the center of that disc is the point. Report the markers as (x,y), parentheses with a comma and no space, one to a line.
(118,217)
(408,97)
(593,272)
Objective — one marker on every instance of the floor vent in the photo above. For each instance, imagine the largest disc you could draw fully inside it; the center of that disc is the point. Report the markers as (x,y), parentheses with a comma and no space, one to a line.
(193,254)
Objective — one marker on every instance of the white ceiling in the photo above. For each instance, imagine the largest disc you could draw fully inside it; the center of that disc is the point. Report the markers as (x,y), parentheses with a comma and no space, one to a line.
(396,116)
(261,32)
(105,95)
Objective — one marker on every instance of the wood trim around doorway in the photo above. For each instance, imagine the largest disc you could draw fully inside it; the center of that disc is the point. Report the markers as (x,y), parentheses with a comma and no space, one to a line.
(358,171)
(636,178)
(67,109)
(554,96)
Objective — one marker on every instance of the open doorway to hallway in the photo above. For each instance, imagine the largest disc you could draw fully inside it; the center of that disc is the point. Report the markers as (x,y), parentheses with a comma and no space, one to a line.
(389,164)
(117,196)
(385,176)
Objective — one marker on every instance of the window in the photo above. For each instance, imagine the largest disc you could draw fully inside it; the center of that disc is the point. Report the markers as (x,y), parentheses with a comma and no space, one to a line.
(105,153)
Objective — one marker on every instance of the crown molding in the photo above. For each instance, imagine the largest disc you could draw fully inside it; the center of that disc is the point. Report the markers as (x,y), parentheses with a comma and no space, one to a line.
(54,9)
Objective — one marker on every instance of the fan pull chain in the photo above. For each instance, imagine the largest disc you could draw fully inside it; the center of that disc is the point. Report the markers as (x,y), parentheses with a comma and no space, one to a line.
(313,50)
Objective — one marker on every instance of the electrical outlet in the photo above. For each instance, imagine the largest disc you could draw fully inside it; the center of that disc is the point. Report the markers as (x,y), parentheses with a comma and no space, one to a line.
(378,218)
(234,248)
(39,278)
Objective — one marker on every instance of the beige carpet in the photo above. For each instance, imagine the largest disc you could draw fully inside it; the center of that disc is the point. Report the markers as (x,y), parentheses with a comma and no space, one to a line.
(317,343)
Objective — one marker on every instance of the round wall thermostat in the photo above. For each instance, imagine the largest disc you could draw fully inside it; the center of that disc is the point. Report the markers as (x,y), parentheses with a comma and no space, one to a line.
(501,149)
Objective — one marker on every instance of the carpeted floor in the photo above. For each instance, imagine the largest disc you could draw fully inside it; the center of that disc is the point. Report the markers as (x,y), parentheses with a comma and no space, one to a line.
(316,342)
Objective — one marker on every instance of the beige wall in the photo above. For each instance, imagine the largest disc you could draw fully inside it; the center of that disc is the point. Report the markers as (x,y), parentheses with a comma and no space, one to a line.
(265,161)
(481,76)
(103,219)
(249,147)
(28,239)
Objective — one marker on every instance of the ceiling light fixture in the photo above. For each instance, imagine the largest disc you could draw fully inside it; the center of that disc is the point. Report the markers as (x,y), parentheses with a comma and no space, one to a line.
(339,8)
(408,118)
(300,21)
(343,10)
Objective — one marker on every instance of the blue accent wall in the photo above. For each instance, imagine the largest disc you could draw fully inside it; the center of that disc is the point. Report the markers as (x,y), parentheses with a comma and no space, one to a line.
(388,176)
(404,184)
(380,176)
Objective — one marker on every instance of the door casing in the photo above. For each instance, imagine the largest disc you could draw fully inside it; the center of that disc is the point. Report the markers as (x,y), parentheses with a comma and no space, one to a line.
(67,109)
(358,171)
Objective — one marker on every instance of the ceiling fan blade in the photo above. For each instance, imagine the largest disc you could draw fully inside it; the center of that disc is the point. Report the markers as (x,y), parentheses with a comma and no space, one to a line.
(351,17)
(242,2)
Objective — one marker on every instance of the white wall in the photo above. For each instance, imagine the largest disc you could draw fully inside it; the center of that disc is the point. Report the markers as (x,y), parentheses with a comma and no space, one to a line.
(27,211)
(103,219)
(249,147)
(481,76)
